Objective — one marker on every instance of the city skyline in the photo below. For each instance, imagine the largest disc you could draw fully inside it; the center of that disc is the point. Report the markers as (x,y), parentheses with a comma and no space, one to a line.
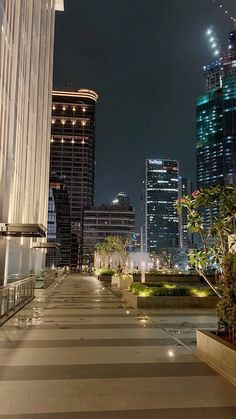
(141,91)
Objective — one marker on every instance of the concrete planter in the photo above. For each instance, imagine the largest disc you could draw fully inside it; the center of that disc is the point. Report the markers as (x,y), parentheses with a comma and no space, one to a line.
(121,282)
(169,302)
(104,278)
(191,279)
(218,353)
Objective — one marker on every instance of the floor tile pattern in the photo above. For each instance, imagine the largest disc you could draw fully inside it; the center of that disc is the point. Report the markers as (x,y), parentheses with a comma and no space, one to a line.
(77,351)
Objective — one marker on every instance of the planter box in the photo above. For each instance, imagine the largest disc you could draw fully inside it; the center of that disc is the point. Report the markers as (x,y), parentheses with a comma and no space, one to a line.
(219,354)
(104,278)
(169,302)
(122,283)
(191,279)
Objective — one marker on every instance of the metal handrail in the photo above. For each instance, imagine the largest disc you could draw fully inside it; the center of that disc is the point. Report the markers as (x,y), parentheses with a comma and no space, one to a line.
(14,296)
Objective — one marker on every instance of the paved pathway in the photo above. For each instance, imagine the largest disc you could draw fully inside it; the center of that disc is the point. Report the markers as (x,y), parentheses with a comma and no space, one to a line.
(75,352)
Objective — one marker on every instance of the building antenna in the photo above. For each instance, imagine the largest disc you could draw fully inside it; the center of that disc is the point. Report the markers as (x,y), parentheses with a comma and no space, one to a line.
(226,12)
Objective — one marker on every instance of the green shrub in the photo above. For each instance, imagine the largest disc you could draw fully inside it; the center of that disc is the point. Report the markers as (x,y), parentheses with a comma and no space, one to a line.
(136,288)
(166,289)
(107,272)
(181,291)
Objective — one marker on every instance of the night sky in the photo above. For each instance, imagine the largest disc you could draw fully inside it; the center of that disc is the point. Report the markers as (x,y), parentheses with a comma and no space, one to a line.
(144,59)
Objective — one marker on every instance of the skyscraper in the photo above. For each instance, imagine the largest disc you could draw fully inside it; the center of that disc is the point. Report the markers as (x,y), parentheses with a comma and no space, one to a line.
(59,222)
(121,199)
(107,220)
(216,121)
(161,192)
(26,57)
(73,154)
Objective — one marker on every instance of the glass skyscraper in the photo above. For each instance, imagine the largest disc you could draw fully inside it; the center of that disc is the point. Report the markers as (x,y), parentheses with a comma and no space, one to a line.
(216,121)
(161,192)
(73,155)
(59,223)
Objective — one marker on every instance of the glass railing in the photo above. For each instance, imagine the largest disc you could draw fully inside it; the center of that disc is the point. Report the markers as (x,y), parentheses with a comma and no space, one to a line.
(14,296)
(45,277)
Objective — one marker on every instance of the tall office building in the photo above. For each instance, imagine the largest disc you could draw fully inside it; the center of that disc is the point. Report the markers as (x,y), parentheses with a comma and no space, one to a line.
(161,192)
(106,220)
(121,199)
(26,63)
(73,154)
(59,223)
(216,121)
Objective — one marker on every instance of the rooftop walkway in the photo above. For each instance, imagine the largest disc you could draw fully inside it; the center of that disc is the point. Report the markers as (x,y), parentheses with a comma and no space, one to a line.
(75,352)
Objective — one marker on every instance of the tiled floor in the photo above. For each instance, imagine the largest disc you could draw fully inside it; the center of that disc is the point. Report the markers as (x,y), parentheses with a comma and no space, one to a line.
(77,352)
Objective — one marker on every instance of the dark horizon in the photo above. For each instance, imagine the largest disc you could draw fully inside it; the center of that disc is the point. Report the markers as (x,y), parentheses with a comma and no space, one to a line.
(145,62)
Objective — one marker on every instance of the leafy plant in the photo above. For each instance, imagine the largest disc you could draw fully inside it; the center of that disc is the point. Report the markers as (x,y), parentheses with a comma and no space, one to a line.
(114,244)
(106,272)
(218,204)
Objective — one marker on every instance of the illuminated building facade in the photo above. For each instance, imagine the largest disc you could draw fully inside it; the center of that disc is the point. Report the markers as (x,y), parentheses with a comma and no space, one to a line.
(73,155)
(26,64)
(103,221)
(216,123)
(59,222)
(161,192)
(121,199)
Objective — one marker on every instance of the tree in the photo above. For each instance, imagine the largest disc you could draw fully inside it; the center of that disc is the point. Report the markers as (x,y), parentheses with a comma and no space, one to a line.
(105,252)
(219,203)
(114,244)
(120,244)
